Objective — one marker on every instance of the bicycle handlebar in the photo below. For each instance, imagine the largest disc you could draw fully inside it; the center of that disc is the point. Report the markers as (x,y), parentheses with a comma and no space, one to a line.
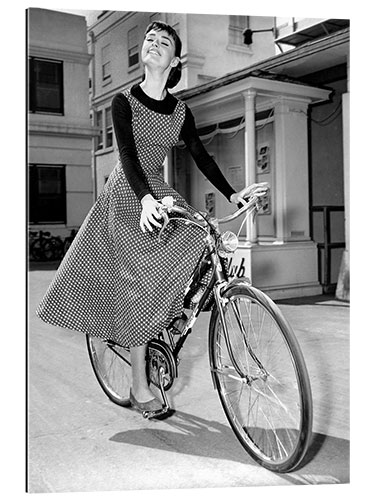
(254,204)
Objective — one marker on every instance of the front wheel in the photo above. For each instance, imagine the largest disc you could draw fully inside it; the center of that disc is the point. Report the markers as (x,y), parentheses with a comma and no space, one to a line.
(112,368)
(260,374)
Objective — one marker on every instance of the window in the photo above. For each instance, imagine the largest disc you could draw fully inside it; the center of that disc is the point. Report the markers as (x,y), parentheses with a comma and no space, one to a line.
(47,195)
(45,86)
(106,63)
(133,56)
(108,128)
(99,123)
(236,26)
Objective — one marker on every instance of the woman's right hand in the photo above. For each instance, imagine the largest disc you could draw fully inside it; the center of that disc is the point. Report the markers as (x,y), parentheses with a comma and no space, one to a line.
(149,213)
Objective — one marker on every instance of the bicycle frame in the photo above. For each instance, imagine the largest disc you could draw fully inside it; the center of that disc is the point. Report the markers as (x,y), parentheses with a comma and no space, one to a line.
(218,284)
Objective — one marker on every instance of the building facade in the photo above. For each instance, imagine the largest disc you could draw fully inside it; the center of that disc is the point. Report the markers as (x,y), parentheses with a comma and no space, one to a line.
(59,128)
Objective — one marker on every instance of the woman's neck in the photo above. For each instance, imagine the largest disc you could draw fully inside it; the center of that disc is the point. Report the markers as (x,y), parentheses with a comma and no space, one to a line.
(154,87)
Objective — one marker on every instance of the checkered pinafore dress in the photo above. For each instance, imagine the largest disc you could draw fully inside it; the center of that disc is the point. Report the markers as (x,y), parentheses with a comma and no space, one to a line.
(116,282)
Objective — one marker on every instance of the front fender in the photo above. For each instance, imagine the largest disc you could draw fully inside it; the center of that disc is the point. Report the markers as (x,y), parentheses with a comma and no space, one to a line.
(214,314)
(238,281)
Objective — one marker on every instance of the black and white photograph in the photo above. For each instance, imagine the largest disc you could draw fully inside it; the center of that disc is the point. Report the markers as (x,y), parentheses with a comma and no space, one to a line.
(161,142)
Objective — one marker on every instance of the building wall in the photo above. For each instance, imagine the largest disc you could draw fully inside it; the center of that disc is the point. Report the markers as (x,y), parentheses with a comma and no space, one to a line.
(326,164)
(209,41)
(64,139)
(327,149)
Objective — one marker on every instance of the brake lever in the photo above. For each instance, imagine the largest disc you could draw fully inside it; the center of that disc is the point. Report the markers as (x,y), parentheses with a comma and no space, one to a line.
(165,217)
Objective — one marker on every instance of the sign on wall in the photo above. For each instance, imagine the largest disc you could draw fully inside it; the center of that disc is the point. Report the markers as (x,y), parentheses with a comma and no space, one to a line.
(240,264)
(263,158)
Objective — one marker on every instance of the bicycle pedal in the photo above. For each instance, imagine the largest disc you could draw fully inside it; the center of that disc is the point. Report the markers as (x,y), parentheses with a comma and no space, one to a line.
(158,414)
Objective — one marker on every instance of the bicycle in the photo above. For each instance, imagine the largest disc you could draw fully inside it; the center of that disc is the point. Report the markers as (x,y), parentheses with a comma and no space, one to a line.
(45,247)
(256,364)
(40,245)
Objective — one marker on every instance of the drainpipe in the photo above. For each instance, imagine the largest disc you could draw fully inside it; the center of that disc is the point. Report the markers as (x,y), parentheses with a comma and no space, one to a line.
(250,156)
(343,281)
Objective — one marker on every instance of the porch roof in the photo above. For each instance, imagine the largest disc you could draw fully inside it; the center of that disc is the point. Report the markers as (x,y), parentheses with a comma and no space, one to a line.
(290,66)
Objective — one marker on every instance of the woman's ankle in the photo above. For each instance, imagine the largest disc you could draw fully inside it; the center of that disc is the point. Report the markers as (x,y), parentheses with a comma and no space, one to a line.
(142,394)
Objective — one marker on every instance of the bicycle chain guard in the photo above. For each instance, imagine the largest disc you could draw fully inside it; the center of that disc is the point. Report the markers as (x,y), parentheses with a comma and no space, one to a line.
(159,355)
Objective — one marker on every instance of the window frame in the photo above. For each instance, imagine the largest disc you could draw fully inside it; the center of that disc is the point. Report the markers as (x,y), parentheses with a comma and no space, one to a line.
(106,62)
(108,127)
(99,143)
(33,87)
(34,213)
(133,46)
(235,29)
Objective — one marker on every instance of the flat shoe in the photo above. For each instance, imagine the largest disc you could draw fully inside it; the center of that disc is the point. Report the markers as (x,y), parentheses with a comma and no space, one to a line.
(152,405)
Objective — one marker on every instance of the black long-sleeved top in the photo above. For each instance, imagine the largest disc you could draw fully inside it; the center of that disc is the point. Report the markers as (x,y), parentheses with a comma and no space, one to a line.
(122,122)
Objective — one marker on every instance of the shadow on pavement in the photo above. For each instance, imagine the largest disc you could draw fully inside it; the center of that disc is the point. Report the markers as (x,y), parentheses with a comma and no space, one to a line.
(321,300)
(190,435)
(327,461)
(43,266)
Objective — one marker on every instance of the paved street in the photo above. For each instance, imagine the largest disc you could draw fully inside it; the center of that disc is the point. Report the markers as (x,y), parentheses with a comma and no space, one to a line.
(80,441)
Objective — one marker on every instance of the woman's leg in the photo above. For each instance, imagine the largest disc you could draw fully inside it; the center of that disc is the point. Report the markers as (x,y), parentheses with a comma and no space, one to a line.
(140,388)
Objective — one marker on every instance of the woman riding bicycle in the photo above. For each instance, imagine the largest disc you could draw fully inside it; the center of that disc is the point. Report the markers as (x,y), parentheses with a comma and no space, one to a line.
(117,281)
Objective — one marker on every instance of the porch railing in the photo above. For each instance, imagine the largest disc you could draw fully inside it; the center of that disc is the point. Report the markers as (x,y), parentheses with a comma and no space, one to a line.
(326,246)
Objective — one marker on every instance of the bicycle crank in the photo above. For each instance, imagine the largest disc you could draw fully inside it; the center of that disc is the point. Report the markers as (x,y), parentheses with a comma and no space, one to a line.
(166,410)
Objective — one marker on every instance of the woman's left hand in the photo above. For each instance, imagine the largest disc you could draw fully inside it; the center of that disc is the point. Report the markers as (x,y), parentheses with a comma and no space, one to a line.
(259,189)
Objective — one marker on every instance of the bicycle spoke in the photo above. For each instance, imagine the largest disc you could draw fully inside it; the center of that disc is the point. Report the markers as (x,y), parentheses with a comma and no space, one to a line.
(263,403)
(112,368)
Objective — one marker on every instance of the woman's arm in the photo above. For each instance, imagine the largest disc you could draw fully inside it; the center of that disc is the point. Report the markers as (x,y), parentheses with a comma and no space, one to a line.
(122,124)
(204,161)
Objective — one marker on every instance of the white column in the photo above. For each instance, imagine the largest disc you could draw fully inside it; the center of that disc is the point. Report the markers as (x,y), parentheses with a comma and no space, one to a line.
(250,156)
(291,171)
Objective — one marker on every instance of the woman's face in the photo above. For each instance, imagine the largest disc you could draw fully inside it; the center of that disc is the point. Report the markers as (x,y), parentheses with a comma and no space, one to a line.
(159,49)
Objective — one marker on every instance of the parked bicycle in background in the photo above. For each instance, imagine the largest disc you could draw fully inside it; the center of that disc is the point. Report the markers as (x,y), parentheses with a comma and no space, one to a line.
(44,247)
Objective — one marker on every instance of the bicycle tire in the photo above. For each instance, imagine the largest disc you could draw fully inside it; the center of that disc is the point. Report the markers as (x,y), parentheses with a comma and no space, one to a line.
(270,408)
(36,252)
(57,248)
(112,368)
(48,250)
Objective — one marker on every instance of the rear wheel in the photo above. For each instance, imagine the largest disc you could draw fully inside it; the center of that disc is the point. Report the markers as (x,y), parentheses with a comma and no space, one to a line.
(112,368)
(36,252)
(261,378)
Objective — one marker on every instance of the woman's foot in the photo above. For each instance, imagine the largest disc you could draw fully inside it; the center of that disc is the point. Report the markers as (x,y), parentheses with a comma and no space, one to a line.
(151,404)
(141,396)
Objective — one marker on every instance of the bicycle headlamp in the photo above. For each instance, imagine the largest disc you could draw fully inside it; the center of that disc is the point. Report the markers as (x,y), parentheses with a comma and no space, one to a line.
(229,242)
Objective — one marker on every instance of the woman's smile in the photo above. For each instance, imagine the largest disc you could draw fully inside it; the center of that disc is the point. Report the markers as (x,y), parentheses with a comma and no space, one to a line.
(153,50)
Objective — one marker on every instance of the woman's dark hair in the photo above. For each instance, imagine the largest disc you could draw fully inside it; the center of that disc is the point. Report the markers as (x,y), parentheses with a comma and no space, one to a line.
(175,73)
